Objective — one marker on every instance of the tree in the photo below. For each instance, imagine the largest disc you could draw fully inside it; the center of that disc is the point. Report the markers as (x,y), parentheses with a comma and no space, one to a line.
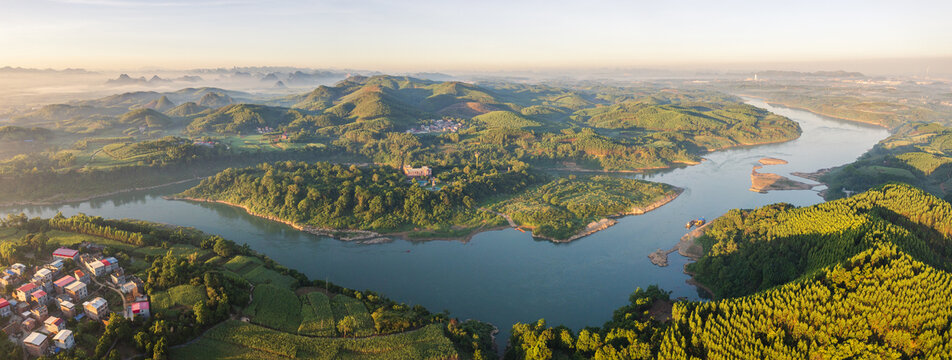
(224,248)
(347,325)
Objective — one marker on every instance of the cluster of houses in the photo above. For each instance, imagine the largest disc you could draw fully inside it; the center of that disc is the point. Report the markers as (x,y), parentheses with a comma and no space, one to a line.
(436,126)
(420,172)
(65,292)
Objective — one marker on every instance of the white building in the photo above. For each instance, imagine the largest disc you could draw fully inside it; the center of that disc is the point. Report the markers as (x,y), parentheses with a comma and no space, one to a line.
(64,340)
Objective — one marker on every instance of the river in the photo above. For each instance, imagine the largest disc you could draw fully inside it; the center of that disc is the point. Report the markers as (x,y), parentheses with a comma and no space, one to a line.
(506,276)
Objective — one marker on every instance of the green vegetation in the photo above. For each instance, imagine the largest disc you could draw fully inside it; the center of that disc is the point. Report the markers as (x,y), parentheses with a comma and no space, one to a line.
(275,307)
(799,241)
(182,295)
(918,153)
(17,133)
(344,307)
(192,292)
(561,208)
(375,198)
(505,119)
(244,341)
(317,318)
(861,277)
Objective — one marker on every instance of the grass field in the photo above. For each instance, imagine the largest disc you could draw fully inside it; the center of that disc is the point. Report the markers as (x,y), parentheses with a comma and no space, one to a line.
(62,238)
(182,295)
(237,340)
(252,270)
(343,305)
(180,250)
(317,318)
(275,306)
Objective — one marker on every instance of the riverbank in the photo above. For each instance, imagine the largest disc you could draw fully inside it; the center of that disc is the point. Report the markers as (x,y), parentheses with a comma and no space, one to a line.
(49,202)
(371,237)
(686,246)
(366,237)
(798,107)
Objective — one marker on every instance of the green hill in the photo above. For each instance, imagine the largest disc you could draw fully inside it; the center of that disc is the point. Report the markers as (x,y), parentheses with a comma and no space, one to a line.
(505,119)
(145,117)
(215,100)
(185,110)
(244,118)
(799,241)
(865,277)
(918,153)
(161,104)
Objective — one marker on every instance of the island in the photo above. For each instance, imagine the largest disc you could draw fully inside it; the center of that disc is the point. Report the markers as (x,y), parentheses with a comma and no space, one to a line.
(371,203)
(764,182)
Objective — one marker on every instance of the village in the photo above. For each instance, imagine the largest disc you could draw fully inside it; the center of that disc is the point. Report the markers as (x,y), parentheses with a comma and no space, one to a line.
(436,126)
(71,288)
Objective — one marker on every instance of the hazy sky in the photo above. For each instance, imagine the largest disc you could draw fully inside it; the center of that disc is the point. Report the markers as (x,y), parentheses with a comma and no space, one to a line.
(458,35)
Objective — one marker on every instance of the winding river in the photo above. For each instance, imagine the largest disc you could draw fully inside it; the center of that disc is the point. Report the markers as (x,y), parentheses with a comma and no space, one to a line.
(505,276)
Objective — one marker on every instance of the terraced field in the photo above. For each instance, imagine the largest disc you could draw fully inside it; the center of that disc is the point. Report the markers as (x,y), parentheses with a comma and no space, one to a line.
(237,340)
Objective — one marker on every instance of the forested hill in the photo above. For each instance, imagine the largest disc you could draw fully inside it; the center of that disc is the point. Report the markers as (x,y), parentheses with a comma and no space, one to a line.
(798,241)
(862,277)
(918,153)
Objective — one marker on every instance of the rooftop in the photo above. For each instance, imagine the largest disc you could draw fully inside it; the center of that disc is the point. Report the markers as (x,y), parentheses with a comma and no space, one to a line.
(35,338)
(63,335)
(67,252)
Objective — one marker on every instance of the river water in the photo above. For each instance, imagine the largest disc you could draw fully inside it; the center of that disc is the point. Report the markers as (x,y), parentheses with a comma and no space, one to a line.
(506,276)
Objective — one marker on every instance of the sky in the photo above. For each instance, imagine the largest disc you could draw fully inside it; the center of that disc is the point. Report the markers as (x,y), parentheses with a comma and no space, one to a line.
(446,35)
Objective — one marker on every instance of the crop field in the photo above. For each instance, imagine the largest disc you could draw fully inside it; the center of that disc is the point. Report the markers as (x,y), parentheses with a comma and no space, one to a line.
(276,307)
(252,270)
(262,275)
(343,305)
(237,340)
(182,295)
(242,264)
(317,318)
(179,250)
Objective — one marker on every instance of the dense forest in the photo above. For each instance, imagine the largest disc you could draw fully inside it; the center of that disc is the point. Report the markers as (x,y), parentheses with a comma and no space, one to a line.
(378,198)
(802,240)
(861,277)
(562,207)
(917,153)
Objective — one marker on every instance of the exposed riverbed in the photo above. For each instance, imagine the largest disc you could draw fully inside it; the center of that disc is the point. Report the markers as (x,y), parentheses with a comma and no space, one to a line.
(505,276)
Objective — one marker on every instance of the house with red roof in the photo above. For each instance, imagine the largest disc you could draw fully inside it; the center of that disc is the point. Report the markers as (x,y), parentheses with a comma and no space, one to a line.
(140,308)
(23,292)
(5,308)
(40,297)
(54,324)
(66,253)
(61,283)
(81,276)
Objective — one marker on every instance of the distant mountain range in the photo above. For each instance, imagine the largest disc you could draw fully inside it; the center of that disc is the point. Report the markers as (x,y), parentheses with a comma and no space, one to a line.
(20,70)
(125,79)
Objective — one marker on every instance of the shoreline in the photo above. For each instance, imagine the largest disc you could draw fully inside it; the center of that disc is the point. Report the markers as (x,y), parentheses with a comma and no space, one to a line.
(368,237)
(796,107)
(686,247)
(96,196)
(365,237)
(610,220)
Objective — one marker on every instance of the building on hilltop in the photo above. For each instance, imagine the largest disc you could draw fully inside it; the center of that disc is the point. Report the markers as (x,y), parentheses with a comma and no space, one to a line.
(413,172)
